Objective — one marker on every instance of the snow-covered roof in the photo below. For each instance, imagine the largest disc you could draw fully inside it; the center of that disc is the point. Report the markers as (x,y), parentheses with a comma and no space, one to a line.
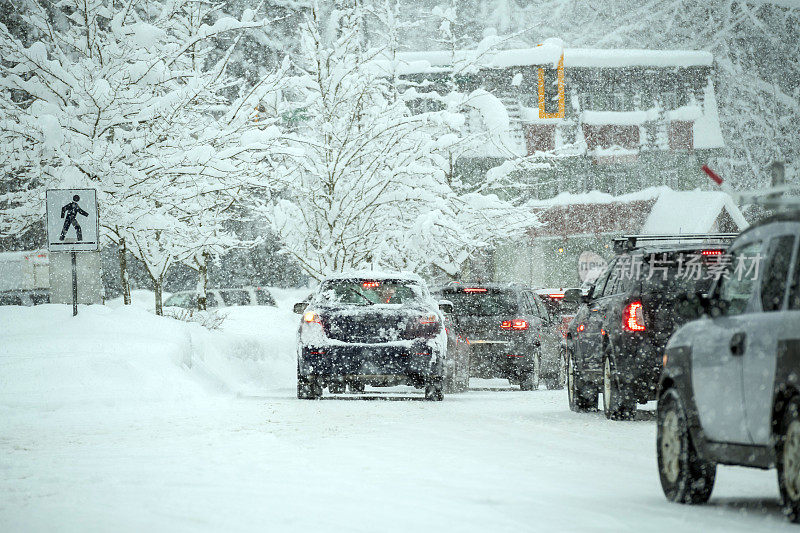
(620,58)
(655,210)
(691,212)
(548,53)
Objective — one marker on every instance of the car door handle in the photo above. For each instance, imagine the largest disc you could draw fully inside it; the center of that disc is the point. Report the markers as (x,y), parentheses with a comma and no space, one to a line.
(737,344)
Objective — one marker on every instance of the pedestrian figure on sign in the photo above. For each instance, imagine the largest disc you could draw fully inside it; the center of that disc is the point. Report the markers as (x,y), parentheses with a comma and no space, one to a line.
(71,210)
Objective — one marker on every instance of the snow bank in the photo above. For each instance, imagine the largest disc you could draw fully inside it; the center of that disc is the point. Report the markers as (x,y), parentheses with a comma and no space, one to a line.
(117,356)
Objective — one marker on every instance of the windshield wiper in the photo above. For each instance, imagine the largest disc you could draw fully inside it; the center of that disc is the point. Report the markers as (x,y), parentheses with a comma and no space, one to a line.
(354,291)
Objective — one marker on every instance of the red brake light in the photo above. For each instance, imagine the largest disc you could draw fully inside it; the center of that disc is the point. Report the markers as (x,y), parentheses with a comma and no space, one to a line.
(581,327)
(476,289)
(633,317)
(712,252)
(557,295)
(517,323)
(371,284)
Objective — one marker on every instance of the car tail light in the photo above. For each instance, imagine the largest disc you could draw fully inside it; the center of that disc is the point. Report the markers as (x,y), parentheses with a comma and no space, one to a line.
(517,323)
(581,327)
(425,326)
(475,289)
(556,296)
(712,252)
(371,284)
(633,317)
(310,317)
(429,319)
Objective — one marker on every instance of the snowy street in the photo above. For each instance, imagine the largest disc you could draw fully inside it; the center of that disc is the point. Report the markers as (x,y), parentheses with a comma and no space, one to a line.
(493,459)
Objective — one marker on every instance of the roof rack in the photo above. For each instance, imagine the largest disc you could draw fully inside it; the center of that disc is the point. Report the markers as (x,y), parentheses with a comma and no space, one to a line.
(626,243)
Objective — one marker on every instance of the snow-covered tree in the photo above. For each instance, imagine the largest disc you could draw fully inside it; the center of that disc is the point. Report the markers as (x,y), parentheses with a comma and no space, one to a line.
(122,97)
(368,188)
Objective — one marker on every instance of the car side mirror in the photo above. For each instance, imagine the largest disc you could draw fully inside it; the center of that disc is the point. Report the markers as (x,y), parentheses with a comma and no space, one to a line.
(300,307)
(572,296)
(446,306)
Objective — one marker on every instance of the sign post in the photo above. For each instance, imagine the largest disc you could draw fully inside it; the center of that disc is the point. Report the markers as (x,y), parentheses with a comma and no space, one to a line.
(73,226)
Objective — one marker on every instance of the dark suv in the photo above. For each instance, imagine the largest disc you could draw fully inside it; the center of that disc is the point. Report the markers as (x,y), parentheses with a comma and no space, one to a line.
(616,340)
(730,388)
(509,332)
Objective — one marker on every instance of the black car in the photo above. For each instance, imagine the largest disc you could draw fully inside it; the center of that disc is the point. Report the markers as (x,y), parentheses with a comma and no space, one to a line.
(730,389)
(371,329)
(616,340)
(509,332)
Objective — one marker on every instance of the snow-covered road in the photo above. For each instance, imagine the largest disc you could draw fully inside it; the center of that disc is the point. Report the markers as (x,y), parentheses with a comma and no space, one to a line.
(487,460)
(117,420)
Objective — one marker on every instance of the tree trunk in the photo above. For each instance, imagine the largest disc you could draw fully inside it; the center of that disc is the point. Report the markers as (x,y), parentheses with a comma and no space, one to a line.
(202,282)
(123,272)
(158,286)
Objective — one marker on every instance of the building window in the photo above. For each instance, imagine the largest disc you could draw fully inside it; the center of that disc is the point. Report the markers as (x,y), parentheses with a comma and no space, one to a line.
(669,100)
(680,135)
(540,137)
(611,135)
(618,102)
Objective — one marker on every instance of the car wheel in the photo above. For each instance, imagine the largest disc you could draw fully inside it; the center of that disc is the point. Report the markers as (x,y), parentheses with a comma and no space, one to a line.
(308,388)
(579,399)
(433,390)
(618,404)
(557,382)
(530,381)
(789,460)
(685,477)
(451,380)
(463,381)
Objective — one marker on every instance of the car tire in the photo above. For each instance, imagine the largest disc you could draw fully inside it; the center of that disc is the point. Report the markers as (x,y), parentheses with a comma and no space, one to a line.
(451,380)
(580,400)
(685,477)
(530,381)
(557,382)
(788,459)
(618,403)
(308,388)
(433,390)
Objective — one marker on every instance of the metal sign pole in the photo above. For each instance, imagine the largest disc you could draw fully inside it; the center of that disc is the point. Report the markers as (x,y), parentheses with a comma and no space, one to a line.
(74,283)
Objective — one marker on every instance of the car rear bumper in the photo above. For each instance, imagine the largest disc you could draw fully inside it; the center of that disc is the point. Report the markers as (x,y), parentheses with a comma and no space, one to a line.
(506,360)
(638,361)
(376,362)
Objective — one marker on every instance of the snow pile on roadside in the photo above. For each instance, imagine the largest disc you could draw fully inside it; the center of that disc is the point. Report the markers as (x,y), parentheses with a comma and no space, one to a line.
(113,356)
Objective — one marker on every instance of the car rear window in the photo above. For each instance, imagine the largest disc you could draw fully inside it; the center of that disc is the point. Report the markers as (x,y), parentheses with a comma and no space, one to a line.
(488,303)
(678,272)
(557,306)
(368,292)
(236,297)
(185,300)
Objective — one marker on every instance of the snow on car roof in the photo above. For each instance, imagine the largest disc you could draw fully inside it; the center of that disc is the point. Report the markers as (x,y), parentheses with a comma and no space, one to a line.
(376,275)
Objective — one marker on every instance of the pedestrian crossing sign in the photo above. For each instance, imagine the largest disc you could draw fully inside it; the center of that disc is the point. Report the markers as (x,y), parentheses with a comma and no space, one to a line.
(72,220)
